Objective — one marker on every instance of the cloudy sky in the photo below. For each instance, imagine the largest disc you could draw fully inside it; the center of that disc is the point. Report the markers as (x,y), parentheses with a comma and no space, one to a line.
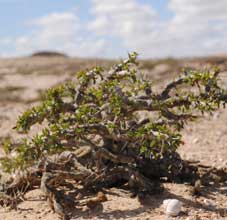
(111,28)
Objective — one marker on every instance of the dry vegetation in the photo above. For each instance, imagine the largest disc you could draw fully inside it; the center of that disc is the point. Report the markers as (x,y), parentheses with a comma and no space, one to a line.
(25,79)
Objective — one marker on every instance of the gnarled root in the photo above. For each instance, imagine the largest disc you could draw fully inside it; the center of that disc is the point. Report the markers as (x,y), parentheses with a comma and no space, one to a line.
(54,197)
(124,175)
(141,175)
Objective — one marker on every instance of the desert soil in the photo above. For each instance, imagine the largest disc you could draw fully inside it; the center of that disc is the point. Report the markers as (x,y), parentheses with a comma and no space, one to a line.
(22,83)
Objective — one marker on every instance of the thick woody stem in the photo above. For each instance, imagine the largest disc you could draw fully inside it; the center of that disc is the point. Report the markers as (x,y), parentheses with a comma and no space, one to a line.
(104,153)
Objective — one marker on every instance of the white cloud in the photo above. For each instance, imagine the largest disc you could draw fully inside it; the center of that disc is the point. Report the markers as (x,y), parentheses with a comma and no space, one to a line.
(199,9)
(197,27)
(62,32)
(49,32)
(124,19)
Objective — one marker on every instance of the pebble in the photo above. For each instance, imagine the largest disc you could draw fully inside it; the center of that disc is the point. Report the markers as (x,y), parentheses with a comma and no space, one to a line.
(195,140)
(172,207)
(209,202)
(221,160)
(79,196)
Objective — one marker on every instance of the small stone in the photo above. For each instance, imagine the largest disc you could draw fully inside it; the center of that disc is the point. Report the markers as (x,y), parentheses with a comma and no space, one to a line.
(195,140)
(79,196)
(172,207)
(208,202)
(85,209)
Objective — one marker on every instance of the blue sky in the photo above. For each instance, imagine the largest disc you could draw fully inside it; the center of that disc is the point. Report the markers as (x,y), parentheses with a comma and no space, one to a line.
(111,28)
(17,12)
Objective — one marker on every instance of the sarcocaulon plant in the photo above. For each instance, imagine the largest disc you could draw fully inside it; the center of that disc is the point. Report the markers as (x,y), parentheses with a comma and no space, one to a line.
(102,110)
(119,120)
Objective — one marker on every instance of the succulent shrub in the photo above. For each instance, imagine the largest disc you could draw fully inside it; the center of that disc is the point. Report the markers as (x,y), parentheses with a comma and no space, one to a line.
(102,109)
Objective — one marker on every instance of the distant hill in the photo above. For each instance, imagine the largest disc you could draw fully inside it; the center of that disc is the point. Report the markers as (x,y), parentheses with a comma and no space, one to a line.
(48,54)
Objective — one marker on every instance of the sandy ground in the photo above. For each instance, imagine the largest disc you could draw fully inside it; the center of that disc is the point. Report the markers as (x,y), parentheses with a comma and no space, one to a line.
(23,80)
